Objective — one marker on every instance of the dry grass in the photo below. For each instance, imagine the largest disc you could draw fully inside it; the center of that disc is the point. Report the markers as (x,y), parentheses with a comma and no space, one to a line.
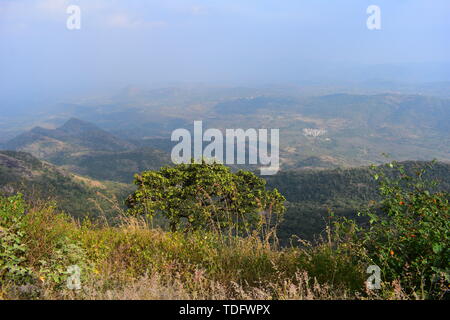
(134,261)
(158,287)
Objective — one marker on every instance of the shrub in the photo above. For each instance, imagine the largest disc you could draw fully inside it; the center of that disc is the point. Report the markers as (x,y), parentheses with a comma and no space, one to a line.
(37,245)
(52,243)
(410,239)
(13,250)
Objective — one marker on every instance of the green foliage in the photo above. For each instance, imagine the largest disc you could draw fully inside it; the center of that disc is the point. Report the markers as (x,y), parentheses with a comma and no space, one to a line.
(208,196)
(53,245)
(410,239)
(12,246)
(40,181)
(113,166)
(36,246)
(311,193)
(407,235)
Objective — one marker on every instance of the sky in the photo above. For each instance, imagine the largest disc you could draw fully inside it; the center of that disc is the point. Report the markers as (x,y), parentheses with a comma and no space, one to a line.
(245,42)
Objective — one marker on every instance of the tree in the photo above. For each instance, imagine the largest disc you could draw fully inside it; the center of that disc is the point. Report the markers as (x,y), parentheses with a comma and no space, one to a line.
(207,196)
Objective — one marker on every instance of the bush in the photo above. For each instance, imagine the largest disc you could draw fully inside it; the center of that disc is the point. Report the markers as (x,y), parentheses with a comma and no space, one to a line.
(13,250)
(37,245)
(410,239)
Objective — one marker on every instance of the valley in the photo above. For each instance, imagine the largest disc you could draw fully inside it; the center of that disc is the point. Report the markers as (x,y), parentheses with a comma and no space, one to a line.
(356,128)
(327,144)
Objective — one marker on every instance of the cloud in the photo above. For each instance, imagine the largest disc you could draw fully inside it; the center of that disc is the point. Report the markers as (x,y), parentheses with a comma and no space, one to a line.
(199,10)
(122,20)
(52,6)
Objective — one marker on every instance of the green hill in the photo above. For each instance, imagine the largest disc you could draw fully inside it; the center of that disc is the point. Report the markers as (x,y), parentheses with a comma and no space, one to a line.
(83,148)
(113,166)
(312,193)
(328,131)
(74,136)
(37,180)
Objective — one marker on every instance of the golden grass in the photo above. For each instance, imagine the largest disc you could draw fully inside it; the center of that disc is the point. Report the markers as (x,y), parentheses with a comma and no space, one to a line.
(134,261)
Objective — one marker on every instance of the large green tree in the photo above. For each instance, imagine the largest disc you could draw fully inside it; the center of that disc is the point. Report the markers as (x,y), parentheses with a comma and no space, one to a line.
(207,196)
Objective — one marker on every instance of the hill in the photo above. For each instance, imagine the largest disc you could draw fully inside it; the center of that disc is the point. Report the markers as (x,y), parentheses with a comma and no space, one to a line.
(38,180)
(310,194)
(113,166)
(74,136)
(346,130)
(316,131)
(85,149)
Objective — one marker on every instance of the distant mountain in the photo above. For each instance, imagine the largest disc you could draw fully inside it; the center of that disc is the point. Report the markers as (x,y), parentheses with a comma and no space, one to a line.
(352,129)
(74,136)
(76,195)
(377,111)
(253,104)
(83,148)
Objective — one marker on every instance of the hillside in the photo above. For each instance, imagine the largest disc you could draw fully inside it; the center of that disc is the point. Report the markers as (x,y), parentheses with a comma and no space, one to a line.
(133,260)
(346,130)
(85,149)
(40,181)
(74,136)
(338,130)
(114,166)
(316,131)
(312,193)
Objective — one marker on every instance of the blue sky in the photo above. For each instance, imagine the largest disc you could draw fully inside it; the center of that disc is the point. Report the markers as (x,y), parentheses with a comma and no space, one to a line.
(143,42)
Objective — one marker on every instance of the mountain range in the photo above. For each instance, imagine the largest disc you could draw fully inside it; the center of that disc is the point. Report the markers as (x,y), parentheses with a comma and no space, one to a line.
(327,143)
(355,128)
(85,149)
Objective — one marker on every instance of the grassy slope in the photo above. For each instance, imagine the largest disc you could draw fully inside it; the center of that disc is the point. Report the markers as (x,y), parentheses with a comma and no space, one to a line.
(41,181)
(133,261)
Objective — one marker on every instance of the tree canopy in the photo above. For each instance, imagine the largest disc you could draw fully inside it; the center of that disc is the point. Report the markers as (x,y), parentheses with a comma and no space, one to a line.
(205,195)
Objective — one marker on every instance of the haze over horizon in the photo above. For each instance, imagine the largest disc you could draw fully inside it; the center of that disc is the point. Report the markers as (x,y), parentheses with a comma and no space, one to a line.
(239,42)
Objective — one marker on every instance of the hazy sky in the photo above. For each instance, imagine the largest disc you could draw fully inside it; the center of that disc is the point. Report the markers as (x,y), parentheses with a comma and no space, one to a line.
(140,42)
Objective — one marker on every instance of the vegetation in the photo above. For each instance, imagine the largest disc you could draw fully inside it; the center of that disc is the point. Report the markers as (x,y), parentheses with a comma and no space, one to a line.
(411,240)
(78,196)
(85,149)
(207,196)
(113,166)
(359,127)
(312,194)
(132,260)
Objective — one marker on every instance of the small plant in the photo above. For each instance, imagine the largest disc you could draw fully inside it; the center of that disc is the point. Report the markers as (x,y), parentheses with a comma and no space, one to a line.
(12,247)
(36,247)
(53,245)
